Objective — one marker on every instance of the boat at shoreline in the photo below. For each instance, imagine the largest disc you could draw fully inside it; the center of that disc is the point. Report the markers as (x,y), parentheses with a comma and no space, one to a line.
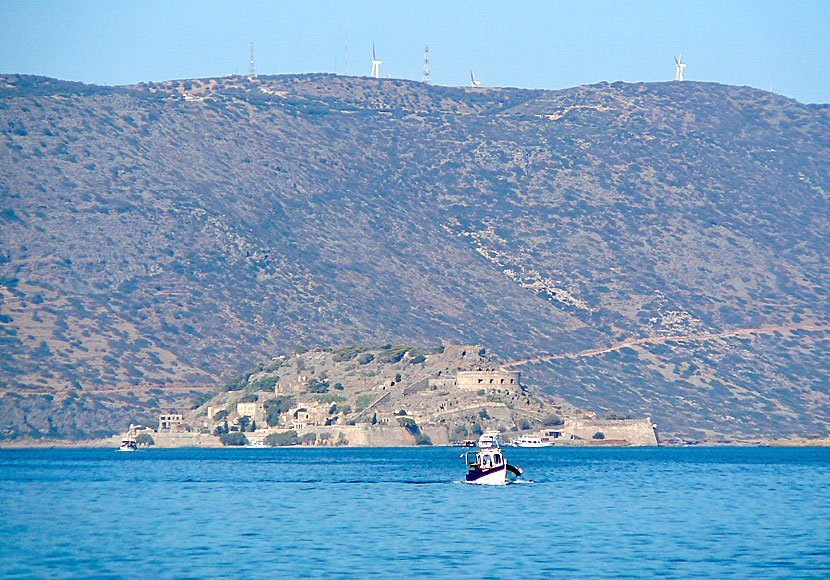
(532,441)
(128,444)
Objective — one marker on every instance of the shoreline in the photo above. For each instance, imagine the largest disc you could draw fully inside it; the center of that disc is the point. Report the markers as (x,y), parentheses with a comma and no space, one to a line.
(113,443)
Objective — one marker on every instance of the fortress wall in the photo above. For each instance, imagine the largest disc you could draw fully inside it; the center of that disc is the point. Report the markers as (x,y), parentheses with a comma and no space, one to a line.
(639,432)
(367,435)
(167,440)
(487,379)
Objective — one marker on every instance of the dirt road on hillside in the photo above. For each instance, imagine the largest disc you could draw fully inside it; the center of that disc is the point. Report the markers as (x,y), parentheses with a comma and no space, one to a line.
(673,338)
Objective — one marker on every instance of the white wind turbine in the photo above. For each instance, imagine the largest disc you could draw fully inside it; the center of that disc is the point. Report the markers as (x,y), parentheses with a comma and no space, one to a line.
(473,82)
(375,63)
(680,66)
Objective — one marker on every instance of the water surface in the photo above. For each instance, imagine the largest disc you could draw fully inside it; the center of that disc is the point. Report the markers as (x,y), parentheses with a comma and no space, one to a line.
(363,513)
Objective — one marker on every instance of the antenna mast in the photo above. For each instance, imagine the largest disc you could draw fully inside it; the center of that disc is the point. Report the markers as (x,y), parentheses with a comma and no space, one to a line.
(346,53)
(252,69)
(426,65)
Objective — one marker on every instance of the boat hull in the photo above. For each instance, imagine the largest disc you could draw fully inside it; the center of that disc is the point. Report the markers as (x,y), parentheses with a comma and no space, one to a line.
(493,476)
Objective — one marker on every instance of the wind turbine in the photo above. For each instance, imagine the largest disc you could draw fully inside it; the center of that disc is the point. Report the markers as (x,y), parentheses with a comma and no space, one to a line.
(375,63)
(473,82)
(680,66)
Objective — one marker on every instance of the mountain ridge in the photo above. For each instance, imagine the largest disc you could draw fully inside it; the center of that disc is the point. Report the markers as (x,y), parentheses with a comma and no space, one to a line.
(228,220)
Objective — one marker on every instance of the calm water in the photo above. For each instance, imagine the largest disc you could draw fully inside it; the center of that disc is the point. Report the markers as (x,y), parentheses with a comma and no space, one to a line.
(358,513)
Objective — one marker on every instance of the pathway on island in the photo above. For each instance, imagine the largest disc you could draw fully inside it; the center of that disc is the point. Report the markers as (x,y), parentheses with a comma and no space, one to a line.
(629,342)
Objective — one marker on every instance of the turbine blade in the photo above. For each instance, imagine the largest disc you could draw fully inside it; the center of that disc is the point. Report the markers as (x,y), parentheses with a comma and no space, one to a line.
(373,51)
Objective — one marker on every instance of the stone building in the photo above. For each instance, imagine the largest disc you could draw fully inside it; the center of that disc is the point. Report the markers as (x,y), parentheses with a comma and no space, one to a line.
(170,421)
(254,410)
(489,379)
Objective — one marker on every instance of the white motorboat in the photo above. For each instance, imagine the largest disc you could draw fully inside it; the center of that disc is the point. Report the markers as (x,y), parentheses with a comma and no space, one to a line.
(532,441)
(128,444)
(490,439)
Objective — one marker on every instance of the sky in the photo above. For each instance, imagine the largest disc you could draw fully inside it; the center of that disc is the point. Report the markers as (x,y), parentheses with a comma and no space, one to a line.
(780,46)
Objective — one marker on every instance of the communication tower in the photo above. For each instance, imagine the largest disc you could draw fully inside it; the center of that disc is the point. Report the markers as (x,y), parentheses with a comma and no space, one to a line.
(426,65)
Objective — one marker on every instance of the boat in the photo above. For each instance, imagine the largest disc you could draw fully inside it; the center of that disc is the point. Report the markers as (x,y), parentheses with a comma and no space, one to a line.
(532,441)
(490,439)
(488,466)
(128,444)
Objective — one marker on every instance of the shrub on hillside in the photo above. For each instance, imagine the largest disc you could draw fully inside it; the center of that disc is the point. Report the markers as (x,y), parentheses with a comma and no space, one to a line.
(362,402)
(266,384)
(552,420)
(315,386)
(275,407)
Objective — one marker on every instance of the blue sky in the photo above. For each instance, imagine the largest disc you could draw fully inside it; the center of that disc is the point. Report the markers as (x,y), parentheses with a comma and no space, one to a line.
(783,46)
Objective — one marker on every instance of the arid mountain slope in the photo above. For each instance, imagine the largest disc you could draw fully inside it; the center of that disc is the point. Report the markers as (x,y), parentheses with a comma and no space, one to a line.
(173,233)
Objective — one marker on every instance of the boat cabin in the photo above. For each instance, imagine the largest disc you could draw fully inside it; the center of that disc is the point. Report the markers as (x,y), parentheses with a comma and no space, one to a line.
(484,459)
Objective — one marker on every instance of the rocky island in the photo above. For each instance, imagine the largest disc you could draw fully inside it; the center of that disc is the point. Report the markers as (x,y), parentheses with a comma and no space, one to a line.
(386,396)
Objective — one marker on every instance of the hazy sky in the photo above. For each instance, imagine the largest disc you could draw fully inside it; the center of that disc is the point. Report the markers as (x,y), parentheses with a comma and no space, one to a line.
(783,46)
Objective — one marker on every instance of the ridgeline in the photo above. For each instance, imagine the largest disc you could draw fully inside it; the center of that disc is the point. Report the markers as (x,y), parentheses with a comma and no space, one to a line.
(157,237)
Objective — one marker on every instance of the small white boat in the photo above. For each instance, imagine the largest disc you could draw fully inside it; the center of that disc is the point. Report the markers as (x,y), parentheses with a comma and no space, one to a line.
(128,444)
(490,439)
(532,441)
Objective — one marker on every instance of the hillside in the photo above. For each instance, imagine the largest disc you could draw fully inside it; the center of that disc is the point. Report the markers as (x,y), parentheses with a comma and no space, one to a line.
(387,396)
(165,235)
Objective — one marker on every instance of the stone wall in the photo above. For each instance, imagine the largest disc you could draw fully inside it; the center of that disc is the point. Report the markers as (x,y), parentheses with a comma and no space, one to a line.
(165,439)
(638,432)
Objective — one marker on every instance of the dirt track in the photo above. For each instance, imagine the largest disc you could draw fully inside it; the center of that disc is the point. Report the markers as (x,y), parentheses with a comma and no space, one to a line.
(673,338)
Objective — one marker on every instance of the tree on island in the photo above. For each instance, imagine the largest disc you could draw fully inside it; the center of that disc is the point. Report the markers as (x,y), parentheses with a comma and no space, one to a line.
(145,439)
(234,438)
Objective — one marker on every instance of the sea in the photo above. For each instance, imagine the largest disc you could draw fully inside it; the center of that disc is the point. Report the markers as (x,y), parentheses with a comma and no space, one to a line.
(714,513)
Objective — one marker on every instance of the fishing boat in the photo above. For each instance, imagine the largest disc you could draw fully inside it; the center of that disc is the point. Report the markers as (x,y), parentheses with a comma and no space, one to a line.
(488,466)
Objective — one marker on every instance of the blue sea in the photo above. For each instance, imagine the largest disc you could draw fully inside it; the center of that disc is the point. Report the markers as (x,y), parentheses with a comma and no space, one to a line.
(405,513)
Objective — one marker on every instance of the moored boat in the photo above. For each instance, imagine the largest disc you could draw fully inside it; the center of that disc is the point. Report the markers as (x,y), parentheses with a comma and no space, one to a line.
(532,441)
